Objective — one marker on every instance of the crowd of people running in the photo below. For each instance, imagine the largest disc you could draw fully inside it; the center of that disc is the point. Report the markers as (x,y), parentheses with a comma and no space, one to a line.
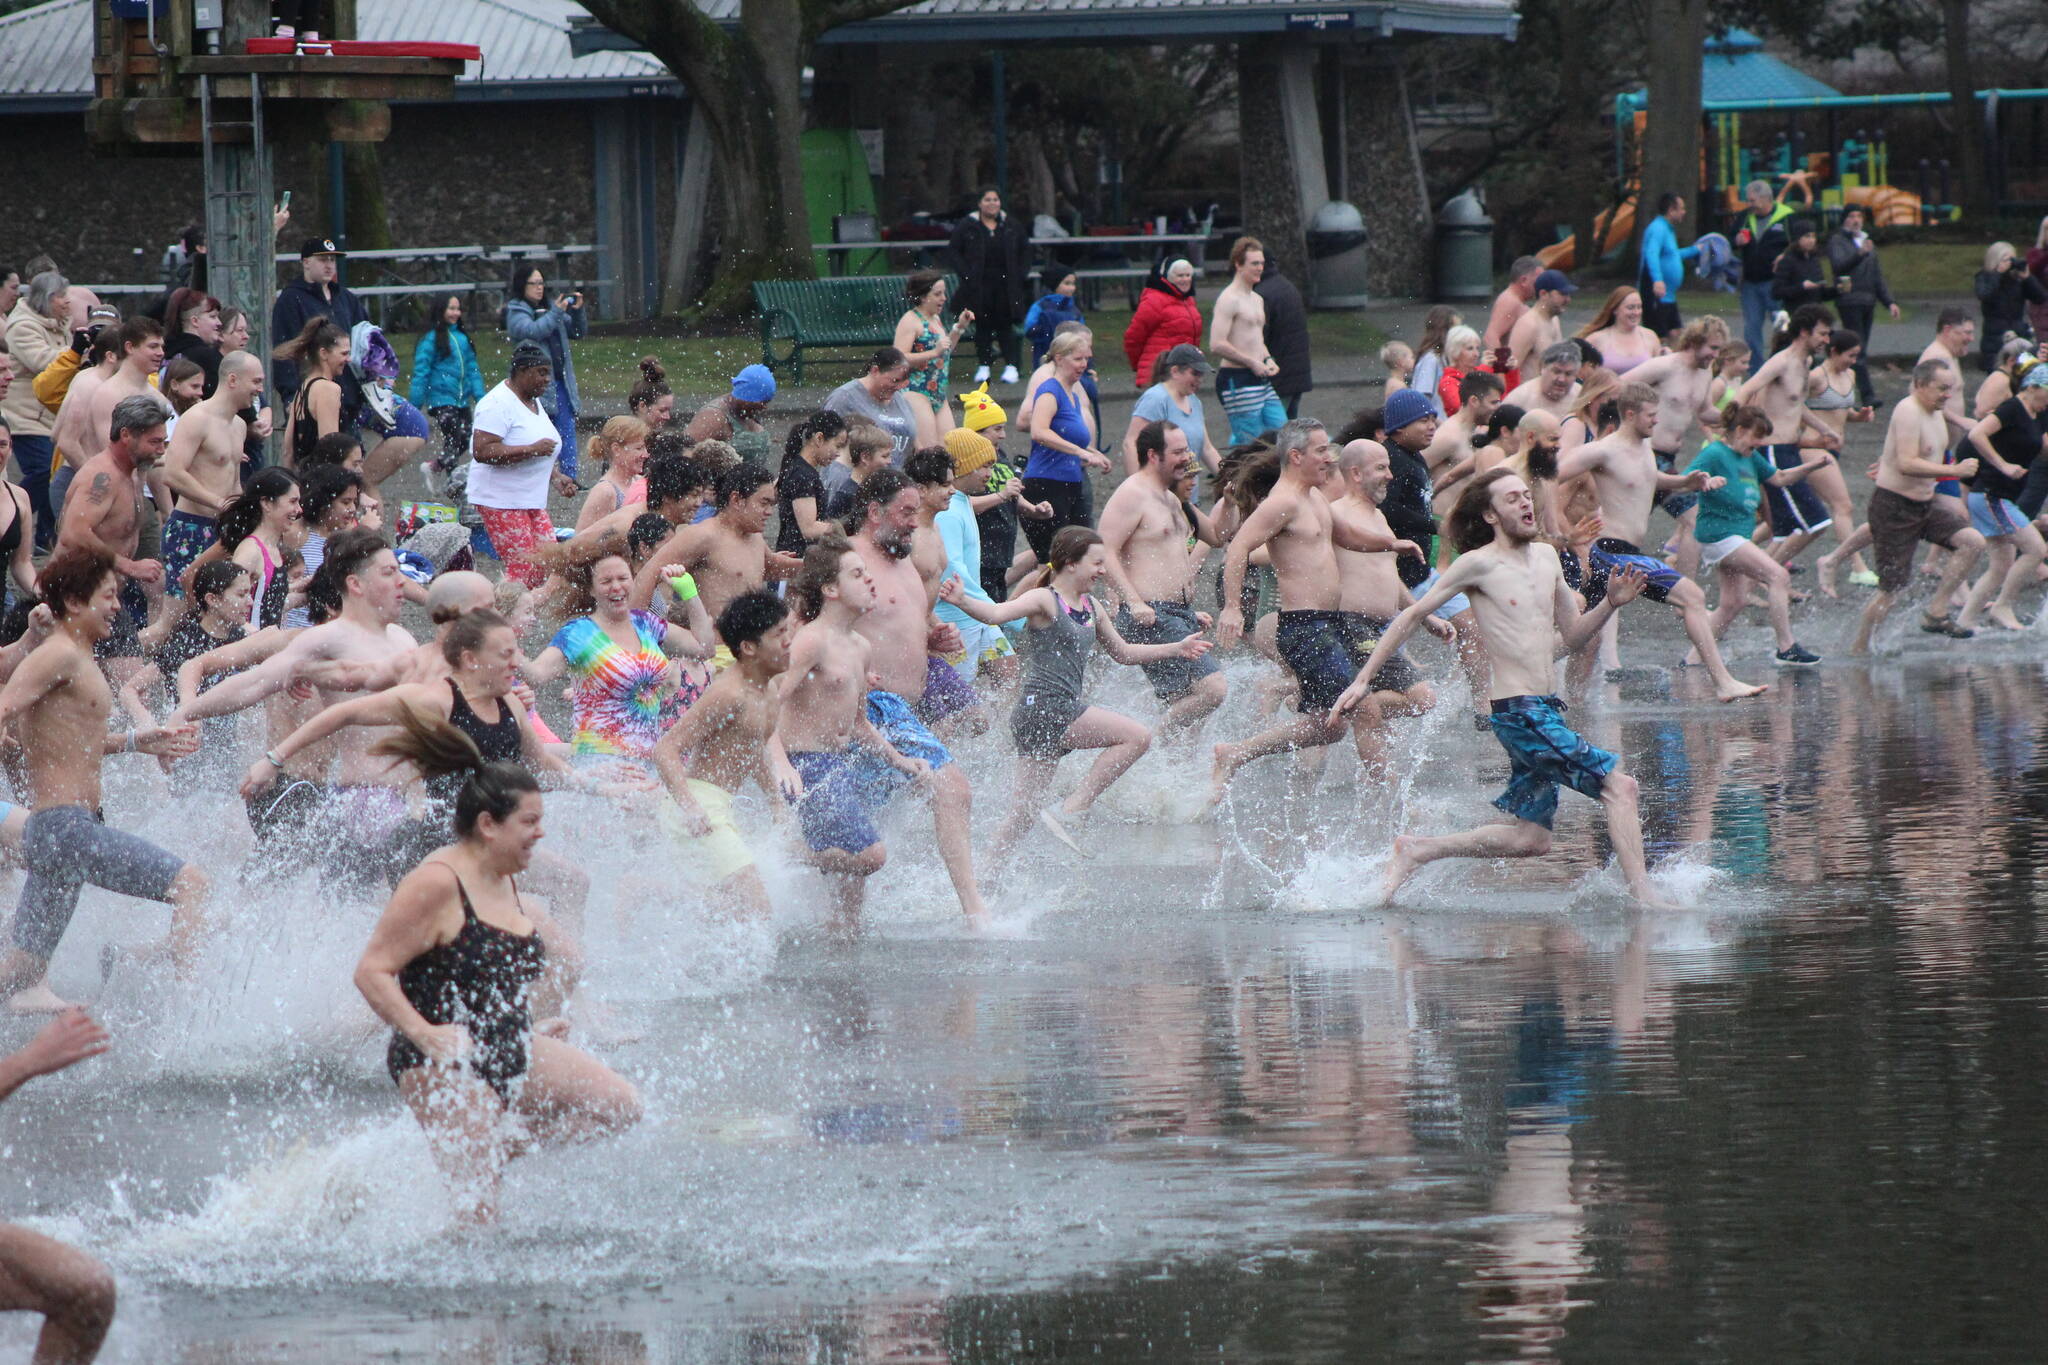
(915,572)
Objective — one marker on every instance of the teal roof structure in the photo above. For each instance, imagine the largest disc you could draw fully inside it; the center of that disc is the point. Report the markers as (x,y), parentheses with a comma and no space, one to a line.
(1735,66)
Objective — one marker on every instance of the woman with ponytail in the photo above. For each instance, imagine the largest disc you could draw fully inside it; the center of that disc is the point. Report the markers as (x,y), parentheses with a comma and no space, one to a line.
(651,399)
(1052,717)
(813,444)
(458,966)
(254,530)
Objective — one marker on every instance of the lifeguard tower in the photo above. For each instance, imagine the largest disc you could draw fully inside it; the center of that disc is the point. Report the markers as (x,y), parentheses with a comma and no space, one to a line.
(168,74)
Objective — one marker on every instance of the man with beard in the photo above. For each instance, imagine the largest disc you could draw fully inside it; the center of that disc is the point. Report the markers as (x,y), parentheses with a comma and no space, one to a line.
(1517,588)
(106,518)
(903,635)
(1681,379)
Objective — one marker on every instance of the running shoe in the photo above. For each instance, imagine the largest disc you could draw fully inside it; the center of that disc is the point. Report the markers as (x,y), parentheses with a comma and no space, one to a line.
(981,374)
(1863,578)
(1009,374)
(1946,625)
(1798,656)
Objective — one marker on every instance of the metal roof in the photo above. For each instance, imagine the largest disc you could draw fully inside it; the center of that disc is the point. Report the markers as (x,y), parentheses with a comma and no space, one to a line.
(46,51)
(981,21)
(1735,66)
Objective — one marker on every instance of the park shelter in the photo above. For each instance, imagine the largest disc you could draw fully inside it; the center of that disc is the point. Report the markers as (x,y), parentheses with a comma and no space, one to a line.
(1321,93)
(536,144)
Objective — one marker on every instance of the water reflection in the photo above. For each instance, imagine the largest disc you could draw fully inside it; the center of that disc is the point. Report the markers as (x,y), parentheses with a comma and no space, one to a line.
(1794,1122)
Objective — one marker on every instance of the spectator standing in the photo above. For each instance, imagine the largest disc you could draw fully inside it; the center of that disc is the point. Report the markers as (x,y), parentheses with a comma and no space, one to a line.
(1168,316)
(877,398)
(1760,238)
(192,332)
(2006,290)
(38,327)
(1048,313)
(1854,258)
(1427,377)
(513,448)
(446,380)
(1663,271)
(315,294)
(1797,279)
(1286,337)
(994,253)
(530,320)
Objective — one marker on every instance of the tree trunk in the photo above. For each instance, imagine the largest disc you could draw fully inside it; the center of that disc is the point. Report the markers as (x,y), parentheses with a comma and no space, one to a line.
(1967,126)
(1670,161)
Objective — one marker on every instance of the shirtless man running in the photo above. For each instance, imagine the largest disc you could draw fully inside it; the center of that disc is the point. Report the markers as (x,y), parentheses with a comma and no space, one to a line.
(142,355)
(105,516)
(57,702)
(1319,643)
(1625,471)
(1237,334)
(726,737)
(1681,379)
(1537,331)
(204,464)
(1148,533)
(904,635)
(1553,388)
(1452,452)
(1905,511)
(1517,587)
(846,768)
(726,554)
(361,808)
(1779,387)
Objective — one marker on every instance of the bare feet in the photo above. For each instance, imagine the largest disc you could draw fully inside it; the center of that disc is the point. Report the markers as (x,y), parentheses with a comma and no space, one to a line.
(1824,570)
(1223,765)
(1400,867)
(1648,900)
(2003,618)
(1736,691)
(37,999)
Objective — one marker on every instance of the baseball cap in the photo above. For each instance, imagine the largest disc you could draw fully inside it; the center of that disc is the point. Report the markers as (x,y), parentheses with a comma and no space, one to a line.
(1556,279)
(320,246)
(1407,405)
(1185,354)
(754,384)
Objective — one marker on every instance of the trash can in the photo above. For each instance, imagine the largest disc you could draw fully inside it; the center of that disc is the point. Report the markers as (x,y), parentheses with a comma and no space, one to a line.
(1464,250)
(1336,257)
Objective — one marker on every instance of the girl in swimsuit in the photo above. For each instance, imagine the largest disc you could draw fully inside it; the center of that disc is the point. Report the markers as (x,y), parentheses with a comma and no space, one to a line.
(1617,332)
(1831,396)
(1053,717)
(457,966)
(256,530)
(622,447)
(320,350)
(929,349)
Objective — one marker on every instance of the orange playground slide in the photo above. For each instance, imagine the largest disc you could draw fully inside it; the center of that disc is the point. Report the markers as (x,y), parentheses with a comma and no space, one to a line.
(1613,229)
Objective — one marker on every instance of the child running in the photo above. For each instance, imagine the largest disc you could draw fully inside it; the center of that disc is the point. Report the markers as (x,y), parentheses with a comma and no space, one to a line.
(1052,717)
(727,737)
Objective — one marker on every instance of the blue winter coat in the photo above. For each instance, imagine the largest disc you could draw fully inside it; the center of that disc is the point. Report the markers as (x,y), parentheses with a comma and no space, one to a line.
(551,329)
(445,381)
(1044,318)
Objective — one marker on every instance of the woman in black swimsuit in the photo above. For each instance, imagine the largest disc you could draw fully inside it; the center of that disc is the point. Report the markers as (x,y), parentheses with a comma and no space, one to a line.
(458,966)
(320,350)
(17,541)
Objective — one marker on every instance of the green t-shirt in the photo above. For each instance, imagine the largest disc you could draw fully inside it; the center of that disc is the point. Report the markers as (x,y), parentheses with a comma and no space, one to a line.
(1729,510)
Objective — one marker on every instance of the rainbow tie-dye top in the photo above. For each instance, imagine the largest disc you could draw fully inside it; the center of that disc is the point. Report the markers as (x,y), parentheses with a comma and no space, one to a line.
(622,703)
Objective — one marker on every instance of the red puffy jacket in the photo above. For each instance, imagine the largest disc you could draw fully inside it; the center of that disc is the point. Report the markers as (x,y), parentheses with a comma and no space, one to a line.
(1165,318)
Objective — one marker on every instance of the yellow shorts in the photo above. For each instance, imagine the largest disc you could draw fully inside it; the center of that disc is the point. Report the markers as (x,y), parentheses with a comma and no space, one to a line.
(712,857)
(721,659)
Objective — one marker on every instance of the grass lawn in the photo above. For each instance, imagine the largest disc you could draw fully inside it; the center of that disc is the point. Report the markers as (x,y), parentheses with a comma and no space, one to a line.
(700,368)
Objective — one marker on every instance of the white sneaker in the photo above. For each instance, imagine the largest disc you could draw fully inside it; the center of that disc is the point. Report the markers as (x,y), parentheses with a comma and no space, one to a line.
(1009,374)
(981,374)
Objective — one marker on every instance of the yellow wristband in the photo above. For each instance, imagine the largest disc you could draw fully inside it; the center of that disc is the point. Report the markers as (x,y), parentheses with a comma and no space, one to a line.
(683,586)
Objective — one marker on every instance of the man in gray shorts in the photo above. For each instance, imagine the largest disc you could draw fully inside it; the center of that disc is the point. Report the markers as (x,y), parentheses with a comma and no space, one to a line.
(1150,534)
(61,701)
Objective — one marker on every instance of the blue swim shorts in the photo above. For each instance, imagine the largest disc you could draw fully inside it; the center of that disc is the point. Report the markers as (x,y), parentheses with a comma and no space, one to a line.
(1610,554)
(1545,753)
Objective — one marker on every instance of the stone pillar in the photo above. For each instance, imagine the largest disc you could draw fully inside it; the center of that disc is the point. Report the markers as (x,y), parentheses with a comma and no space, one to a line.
(1281,139)
(1383,174)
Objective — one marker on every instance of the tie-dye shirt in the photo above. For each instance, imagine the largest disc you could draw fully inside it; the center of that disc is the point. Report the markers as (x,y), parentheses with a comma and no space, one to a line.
(622,703)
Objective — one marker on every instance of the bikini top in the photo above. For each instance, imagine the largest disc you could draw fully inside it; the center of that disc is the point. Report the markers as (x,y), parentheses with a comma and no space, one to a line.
(1832,399)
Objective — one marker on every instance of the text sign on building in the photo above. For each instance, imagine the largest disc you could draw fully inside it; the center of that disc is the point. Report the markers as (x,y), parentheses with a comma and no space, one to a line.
(1322,20)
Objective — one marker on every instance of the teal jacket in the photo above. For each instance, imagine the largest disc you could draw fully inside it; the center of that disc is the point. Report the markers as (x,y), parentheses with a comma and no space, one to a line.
(445,381)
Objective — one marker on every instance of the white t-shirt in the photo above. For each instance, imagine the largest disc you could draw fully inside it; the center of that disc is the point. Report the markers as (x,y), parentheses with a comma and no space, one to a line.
(523,484)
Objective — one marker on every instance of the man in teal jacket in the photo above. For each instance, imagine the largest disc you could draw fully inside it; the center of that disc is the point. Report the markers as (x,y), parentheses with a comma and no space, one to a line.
(1664,266)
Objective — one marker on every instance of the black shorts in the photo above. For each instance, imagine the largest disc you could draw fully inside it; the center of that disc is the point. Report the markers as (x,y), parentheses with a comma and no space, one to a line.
(1325,649)
(1069,501)
(1660,315)
(1795,508)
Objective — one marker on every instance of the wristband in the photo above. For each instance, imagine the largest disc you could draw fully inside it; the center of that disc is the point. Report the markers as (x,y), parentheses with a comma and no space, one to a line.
(683,586)
(129,747)
(270,757)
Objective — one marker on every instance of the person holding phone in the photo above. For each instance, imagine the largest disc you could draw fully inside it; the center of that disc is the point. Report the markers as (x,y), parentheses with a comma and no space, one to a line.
(531,320)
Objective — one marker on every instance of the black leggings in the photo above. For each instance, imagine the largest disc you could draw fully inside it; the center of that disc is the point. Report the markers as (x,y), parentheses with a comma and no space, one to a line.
(1070,507)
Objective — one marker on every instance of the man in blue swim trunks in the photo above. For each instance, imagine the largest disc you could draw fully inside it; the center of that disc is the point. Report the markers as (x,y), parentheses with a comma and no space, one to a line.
(1510,575)
(1624,470)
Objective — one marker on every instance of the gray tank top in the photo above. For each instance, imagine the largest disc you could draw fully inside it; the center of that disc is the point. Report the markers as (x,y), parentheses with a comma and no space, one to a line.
(1056,656)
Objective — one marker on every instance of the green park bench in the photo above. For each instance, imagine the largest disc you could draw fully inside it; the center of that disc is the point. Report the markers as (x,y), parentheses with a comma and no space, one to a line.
(851,310)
